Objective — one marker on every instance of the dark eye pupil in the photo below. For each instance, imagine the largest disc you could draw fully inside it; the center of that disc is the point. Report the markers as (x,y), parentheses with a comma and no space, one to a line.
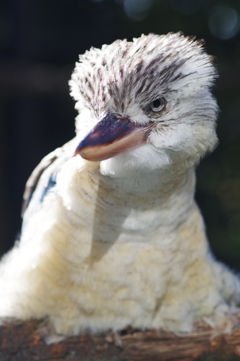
(156,103)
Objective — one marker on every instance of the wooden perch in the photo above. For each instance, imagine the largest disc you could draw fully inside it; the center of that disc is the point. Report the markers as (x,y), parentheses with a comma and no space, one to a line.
(22,342)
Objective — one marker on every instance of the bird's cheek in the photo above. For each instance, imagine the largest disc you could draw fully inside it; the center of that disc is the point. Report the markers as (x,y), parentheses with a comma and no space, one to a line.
(156,138)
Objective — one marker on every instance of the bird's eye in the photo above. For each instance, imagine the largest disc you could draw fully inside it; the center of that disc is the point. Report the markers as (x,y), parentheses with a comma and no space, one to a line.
(157,105)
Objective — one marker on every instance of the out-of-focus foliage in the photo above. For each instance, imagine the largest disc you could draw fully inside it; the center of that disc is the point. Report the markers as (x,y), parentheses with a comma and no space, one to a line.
(39,42)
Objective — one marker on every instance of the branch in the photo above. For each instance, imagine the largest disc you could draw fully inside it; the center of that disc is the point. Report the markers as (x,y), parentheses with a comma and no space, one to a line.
(22,342)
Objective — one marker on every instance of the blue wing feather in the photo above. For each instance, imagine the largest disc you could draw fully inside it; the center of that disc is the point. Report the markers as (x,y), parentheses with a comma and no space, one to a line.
(44,178)
(51,184)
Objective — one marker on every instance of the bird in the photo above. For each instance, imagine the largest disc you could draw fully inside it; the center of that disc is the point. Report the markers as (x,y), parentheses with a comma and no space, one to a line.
(112,236)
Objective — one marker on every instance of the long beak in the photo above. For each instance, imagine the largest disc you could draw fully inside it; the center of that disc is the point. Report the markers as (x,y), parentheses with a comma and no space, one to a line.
(110,137)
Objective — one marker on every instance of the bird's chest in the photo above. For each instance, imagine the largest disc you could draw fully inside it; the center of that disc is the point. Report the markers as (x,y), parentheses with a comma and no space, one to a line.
(121,245)
(116,242)
(112,252)
(124,272)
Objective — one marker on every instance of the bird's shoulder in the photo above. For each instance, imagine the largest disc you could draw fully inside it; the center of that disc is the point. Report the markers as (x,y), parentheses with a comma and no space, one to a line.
(44,176)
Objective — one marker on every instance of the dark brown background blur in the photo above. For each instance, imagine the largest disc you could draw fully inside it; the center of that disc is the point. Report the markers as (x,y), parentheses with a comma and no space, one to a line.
(39,43)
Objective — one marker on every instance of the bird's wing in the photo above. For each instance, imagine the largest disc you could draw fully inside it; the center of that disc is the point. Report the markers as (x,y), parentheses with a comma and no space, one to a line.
(43,178)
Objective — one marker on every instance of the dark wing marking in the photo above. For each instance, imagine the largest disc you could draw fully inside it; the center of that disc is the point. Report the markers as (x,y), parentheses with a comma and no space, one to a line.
(51,183)
(34,178)
(58,156)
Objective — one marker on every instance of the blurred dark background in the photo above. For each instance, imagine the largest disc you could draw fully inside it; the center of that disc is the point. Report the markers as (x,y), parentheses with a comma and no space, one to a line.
(39,43)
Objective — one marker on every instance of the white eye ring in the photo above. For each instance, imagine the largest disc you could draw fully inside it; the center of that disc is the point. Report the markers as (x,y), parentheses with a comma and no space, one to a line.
(157,104)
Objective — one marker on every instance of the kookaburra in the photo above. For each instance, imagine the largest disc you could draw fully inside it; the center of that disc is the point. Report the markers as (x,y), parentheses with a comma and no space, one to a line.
(111,233)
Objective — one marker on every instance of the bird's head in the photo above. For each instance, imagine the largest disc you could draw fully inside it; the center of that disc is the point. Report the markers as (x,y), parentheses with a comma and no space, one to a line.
(145,103)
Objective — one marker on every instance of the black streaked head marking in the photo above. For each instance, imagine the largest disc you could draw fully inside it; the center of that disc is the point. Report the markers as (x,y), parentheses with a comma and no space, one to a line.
(118,75)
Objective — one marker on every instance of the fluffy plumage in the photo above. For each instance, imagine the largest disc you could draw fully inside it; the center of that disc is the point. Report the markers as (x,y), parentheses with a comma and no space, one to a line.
(119,240)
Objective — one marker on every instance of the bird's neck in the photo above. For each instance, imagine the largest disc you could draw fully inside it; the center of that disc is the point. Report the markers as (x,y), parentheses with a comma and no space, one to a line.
(142,187)
(147,201)
(137,204)
(145,182)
